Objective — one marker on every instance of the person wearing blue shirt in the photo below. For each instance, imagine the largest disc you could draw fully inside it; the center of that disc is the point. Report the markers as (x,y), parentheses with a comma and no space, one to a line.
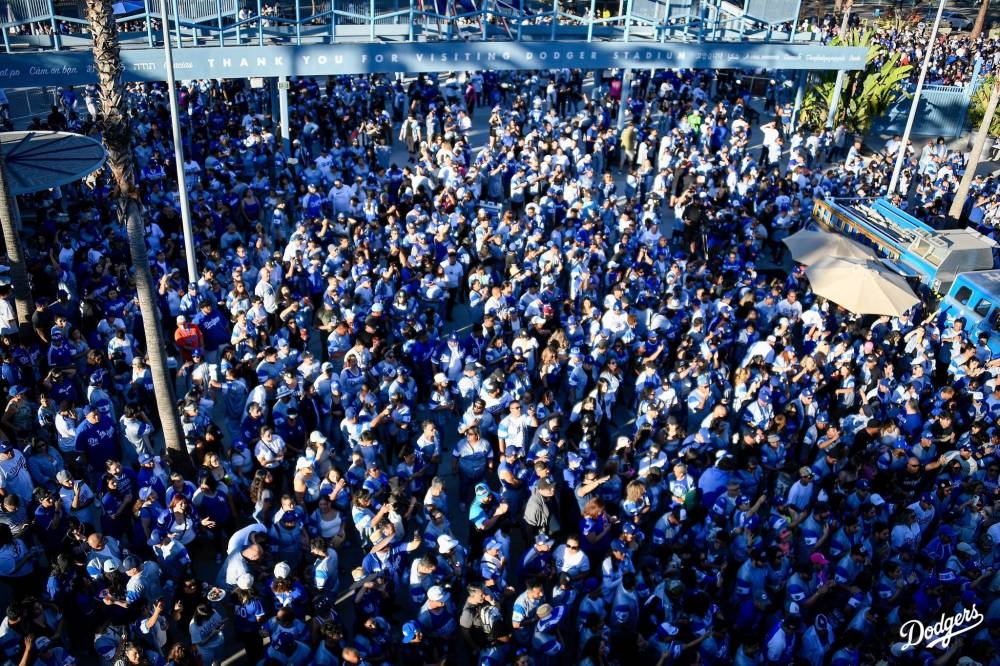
(286,649)
(97,439)
(751,577)
(216,331)
(60,355)
(850,566)
(781,641)
(437,616)
(801,493)
(248,617)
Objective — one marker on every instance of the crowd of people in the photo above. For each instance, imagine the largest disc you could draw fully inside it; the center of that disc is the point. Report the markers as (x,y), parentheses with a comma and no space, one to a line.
(471,375)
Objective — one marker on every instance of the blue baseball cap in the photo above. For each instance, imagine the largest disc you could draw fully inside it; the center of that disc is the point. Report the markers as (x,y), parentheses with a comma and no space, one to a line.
(410,631)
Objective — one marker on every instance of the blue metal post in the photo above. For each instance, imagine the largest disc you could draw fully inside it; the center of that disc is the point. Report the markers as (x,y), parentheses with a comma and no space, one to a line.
(795,23)
(371,20)
(628,19)
(800,95)
(218,11)
(333,25)
(6,37)
(666,22)
(260,25)
(626,87)
(149,25)
(590,24)
(555,17)
(56,42)
(298,26)
(177,23)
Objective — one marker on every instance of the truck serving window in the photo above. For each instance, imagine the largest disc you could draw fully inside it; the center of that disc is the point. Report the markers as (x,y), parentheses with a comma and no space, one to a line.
(963,294)
(994,320)
(983,307)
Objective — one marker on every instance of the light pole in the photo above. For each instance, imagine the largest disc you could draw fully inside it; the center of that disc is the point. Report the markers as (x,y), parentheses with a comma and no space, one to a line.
(901,155)
(175,124)
(839,84)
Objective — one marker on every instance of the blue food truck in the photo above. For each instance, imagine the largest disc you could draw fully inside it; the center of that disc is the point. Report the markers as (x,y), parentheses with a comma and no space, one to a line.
(956,263)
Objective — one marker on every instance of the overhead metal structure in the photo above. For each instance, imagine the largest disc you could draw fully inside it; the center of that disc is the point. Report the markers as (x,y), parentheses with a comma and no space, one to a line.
(46,24)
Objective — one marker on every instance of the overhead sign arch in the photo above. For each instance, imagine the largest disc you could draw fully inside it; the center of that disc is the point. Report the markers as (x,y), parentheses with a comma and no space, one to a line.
(77,67)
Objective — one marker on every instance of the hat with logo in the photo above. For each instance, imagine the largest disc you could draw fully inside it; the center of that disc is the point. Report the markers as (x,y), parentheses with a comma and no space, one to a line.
(410,631)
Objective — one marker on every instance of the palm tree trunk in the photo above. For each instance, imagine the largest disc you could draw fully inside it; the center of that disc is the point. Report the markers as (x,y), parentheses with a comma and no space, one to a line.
(962,193)
(12,240)
(114,126)
(977,27)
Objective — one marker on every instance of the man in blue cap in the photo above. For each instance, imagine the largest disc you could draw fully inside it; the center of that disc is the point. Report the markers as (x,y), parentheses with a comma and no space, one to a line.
(486,515)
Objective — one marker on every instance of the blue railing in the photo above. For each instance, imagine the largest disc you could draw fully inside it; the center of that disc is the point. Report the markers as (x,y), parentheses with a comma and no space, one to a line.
(43,24)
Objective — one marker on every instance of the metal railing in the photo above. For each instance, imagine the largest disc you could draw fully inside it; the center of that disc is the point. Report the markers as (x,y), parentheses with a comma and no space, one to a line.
(42,25)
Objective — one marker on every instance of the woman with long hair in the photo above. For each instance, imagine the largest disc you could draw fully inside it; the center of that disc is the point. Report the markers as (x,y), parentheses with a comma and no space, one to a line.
(327,522)
(182,521)
(116,507)
(636,504)
(250,207)
(262,496)
(334,486)
(206,634)
(132,654)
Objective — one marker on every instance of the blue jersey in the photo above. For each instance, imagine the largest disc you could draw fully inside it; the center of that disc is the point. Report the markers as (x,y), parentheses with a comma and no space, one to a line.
(98,442)
(249,616)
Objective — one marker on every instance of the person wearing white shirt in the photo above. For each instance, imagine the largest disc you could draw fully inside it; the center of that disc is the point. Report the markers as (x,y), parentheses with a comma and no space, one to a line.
(790,306)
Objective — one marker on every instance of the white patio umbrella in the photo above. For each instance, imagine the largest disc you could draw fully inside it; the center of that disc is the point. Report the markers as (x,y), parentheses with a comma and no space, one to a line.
(808,246)
(863,286)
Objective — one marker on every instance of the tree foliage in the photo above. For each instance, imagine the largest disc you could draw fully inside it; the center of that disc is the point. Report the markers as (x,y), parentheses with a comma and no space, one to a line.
(977,106)
(866,94)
